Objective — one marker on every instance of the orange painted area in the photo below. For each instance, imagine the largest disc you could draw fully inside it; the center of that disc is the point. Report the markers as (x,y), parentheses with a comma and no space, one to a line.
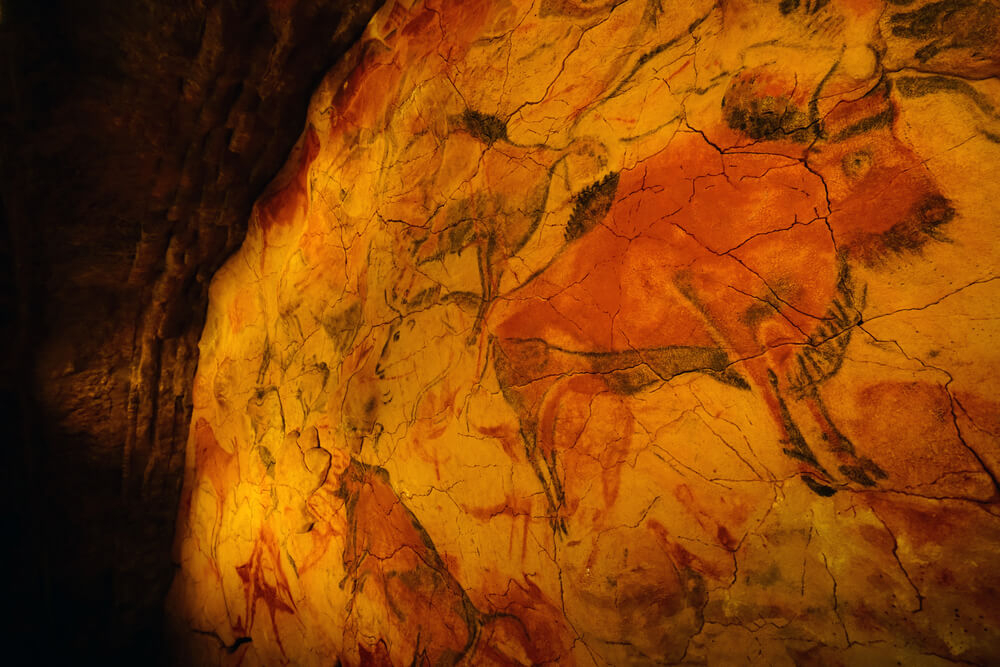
(286,202)
(613,333)
(525,627)
(396,567)
(242,311)
(692,239)
(214,463)
(883,198)
(264,580)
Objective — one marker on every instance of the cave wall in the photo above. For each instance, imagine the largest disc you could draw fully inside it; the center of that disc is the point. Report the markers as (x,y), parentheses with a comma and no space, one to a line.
(613,333)
(136,136)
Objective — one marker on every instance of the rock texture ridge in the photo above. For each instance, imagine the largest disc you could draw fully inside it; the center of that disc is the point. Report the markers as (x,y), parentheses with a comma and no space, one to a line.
(134,138)
(610,333)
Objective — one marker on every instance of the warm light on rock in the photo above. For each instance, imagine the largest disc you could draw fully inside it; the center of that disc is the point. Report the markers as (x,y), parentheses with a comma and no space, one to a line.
(614,333)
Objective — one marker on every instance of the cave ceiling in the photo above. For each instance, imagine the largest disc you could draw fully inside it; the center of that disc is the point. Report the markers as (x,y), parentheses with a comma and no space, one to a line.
(506,332)
(613,333)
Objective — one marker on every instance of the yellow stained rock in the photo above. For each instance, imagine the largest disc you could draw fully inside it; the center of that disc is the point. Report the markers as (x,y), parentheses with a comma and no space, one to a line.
(614,333)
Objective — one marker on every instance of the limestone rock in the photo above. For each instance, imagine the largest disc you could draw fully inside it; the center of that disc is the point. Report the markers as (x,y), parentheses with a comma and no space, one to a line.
(613,333)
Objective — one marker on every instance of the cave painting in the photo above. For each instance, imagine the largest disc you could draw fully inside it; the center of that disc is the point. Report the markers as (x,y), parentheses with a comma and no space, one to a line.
(680,274)
(613,333)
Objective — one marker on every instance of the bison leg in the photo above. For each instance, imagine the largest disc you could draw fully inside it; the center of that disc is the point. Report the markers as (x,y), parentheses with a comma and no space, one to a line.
(797,447)
(525,377)
(545,469)
(859,469)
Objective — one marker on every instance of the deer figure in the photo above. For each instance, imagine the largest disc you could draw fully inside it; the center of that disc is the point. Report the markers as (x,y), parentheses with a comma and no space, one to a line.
(709,260)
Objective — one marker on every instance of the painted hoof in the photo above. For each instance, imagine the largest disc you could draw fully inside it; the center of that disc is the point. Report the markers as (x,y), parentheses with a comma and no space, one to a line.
(818,488)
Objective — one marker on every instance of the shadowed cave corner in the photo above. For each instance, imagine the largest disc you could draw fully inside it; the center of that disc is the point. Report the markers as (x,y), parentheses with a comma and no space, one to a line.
(134,138)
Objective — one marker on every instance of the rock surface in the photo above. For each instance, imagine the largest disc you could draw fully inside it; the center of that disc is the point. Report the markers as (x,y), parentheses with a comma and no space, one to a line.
(613,333)
(135,137)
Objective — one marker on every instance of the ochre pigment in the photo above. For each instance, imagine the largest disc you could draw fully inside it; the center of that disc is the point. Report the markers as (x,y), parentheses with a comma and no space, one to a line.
(612,333)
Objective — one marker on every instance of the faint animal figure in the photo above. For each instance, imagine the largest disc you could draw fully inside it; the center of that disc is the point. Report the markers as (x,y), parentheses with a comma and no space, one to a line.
(392,563)
(709,260)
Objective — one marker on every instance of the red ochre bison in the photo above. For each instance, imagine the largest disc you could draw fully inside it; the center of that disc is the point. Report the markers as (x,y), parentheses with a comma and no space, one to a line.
(730,261)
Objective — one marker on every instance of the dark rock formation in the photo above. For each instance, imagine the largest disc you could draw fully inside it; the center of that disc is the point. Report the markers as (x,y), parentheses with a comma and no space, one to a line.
(135,137)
